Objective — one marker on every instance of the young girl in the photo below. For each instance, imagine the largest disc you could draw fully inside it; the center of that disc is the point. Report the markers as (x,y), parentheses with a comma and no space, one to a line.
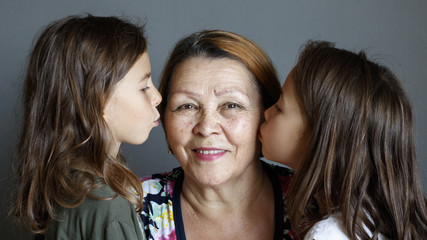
(345,125)
(88,89)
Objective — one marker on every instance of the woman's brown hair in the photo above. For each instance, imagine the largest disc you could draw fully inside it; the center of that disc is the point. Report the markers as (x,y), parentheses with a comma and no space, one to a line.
(361,162)
(73,68)
(218,44)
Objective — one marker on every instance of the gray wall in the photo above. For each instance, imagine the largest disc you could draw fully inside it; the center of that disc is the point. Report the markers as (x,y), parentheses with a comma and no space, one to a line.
(391,30)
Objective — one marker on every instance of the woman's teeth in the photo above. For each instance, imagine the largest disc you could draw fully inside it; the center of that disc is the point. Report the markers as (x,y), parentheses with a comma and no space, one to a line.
(209,151)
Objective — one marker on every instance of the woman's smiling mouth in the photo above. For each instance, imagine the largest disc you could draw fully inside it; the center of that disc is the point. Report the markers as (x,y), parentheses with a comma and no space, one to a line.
(208,154)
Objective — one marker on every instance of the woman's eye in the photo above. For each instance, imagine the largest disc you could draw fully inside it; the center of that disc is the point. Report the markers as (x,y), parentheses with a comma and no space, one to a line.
(277,108)
(186,107)
(232,106)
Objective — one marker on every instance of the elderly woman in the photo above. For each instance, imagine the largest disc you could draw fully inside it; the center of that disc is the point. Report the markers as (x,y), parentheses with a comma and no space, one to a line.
(215,86)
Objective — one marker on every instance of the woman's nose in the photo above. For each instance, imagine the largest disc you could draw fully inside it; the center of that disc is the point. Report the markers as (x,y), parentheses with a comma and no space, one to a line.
(208,123)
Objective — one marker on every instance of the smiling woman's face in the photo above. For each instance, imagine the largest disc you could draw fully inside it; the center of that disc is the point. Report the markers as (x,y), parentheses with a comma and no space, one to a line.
(212,119)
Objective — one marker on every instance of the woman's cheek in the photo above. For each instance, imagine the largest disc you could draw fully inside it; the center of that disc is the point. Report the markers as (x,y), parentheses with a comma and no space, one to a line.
(240,126)
(177,125)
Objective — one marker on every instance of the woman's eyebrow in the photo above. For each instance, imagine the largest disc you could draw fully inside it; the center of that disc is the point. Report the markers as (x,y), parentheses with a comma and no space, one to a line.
(217,93)
(231,91)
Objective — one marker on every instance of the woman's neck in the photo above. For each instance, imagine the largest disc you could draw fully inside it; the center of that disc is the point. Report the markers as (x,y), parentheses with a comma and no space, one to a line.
(245,188)
(240,202)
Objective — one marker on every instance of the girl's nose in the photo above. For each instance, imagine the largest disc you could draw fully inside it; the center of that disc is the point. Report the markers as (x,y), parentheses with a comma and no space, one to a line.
(267,113)
(156,98)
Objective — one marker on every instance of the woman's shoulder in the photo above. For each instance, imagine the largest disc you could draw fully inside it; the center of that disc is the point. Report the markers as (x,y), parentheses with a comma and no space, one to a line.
(158,213)
(280,170)
(281,174)
(329,228)
(165,176)
(160,182)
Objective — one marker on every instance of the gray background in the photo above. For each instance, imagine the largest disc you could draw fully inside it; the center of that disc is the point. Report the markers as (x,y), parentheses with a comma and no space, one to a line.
(392,31)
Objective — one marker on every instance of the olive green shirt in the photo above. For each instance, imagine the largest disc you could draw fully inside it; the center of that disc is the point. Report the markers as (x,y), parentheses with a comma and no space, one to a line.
(98,219)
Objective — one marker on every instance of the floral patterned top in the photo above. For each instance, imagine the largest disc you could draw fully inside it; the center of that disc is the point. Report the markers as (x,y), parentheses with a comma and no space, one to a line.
(162,217)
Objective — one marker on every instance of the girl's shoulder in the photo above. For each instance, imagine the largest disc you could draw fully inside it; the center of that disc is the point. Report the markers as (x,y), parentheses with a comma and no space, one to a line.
(102,210)
(329,228)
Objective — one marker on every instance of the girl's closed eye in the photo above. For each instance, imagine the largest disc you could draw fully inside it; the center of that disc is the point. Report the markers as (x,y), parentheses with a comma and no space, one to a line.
(144,89)
(277,107)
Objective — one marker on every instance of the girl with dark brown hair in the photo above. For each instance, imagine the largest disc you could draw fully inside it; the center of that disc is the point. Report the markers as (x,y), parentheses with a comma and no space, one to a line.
(345,125)
(88,89)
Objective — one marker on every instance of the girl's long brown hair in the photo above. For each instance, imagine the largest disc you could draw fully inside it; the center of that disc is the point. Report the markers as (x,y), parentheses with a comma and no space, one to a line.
(73,68)
(361,162)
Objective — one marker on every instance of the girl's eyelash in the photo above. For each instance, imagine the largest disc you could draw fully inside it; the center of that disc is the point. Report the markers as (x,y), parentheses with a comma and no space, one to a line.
(277,107)
(145,89)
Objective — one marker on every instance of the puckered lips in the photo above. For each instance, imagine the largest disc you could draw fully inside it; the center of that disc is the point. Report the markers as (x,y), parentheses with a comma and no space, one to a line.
(156,121)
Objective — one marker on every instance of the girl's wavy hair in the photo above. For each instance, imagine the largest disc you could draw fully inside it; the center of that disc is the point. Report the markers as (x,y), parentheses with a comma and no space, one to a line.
(361,161)
(73,69)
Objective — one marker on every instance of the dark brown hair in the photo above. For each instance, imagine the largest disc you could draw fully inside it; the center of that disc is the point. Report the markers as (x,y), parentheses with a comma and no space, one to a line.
(218,44)
(73,68)
(361,161)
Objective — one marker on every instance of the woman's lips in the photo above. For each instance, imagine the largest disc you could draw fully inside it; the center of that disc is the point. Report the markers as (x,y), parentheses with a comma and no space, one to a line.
(209,154)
